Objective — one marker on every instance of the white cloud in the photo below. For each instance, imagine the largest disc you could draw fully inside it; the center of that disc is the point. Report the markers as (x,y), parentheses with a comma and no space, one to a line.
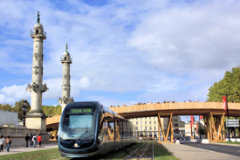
(84,82)
(190,38)
(11,94)
(54,88)
(109,101)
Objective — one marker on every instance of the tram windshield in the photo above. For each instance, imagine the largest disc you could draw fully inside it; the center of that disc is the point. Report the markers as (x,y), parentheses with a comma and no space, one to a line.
(78,123)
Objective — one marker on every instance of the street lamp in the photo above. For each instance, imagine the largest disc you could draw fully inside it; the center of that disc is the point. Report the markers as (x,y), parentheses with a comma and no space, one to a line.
(24,109)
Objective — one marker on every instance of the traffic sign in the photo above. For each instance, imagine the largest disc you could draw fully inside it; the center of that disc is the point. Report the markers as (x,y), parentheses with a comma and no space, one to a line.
(232,123)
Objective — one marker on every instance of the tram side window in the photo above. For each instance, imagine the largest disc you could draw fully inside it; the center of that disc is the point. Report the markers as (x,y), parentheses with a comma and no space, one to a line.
(124,130)
(107,133)
(130,131)
(111,130)
(120,129)
(104,133)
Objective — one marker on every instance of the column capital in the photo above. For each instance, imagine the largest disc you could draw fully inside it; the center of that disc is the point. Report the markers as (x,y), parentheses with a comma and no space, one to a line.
(37,88)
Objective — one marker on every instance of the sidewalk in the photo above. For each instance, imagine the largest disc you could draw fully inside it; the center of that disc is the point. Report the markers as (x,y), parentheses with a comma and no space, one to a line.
(19,149)
(203,151)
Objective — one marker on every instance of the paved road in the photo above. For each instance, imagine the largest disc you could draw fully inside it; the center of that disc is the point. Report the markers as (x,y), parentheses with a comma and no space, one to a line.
(204,151)
(18,149)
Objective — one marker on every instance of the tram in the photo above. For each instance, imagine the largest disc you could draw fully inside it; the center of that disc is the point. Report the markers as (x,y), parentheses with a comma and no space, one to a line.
(88,128)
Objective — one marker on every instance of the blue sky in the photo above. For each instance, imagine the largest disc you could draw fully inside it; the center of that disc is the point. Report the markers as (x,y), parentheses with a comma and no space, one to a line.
(123,51)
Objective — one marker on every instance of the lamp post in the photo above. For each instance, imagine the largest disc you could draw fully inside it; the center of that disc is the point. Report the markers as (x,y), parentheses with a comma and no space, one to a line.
(24,109)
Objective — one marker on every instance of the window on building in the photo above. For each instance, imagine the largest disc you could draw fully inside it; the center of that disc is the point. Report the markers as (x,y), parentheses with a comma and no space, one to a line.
(145,128)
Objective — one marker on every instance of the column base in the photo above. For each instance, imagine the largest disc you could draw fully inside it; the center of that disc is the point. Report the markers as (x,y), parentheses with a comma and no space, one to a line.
(36,121)
(35,114)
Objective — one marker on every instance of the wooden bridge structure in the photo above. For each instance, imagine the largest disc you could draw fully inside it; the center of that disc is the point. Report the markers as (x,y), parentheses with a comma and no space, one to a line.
(213,113)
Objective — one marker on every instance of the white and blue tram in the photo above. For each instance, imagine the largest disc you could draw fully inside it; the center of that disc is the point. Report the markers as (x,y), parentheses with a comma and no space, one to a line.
(89,128)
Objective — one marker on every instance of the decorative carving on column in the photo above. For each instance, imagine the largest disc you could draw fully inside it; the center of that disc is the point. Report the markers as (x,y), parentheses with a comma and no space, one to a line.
(65,100)
(36,55)
(37,88)
(35,70)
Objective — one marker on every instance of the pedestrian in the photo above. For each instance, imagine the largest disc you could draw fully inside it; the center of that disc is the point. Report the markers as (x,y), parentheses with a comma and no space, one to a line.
(2,141)
(8,143)
(34,140)
(27,138)
(30,138)
(39,139)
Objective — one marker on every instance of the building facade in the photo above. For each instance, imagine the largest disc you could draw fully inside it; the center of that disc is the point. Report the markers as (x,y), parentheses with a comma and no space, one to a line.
(148,126)
(8,118)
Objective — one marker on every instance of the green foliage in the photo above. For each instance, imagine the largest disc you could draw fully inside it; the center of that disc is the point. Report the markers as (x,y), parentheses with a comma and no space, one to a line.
(50,111)
(229,85)
(18,108)
(6,107)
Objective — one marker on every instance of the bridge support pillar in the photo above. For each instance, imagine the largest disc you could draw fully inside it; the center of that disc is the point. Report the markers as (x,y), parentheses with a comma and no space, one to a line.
(169,129)
(215,127)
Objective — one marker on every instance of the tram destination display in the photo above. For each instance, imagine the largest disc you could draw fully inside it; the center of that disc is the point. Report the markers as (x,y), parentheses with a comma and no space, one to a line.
(81,110)
(232,123)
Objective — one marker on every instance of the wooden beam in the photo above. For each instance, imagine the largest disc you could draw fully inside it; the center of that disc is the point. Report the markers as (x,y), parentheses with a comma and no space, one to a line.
(169,125)
(161,126)
(159,123)
(171,130)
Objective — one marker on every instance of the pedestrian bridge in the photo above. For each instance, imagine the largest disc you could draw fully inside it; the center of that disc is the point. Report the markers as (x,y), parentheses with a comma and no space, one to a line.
(213,113)
(182,108)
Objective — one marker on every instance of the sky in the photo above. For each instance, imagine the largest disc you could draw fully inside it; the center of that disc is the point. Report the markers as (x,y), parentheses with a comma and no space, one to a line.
(123,51)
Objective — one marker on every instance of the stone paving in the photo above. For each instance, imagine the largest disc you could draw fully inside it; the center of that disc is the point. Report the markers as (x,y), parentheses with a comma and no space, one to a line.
(204,151)
(19,149)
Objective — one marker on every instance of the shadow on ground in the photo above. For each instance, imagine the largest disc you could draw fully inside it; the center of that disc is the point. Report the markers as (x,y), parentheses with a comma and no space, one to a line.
(110,155)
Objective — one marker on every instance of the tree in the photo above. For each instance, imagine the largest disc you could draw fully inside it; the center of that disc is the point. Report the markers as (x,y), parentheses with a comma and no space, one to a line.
(229,85)
(6,107)
(50,111)
(18,108)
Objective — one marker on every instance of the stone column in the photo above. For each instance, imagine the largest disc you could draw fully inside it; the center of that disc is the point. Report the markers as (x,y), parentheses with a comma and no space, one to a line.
(36,117)
(66,88)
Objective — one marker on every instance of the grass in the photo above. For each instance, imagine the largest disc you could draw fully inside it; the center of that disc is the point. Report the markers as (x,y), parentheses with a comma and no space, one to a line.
(231,142)
(160,153)
(48,154)
(122,153)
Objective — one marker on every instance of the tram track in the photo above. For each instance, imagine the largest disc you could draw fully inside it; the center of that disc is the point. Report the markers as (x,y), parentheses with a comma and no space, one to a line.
(143,152)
